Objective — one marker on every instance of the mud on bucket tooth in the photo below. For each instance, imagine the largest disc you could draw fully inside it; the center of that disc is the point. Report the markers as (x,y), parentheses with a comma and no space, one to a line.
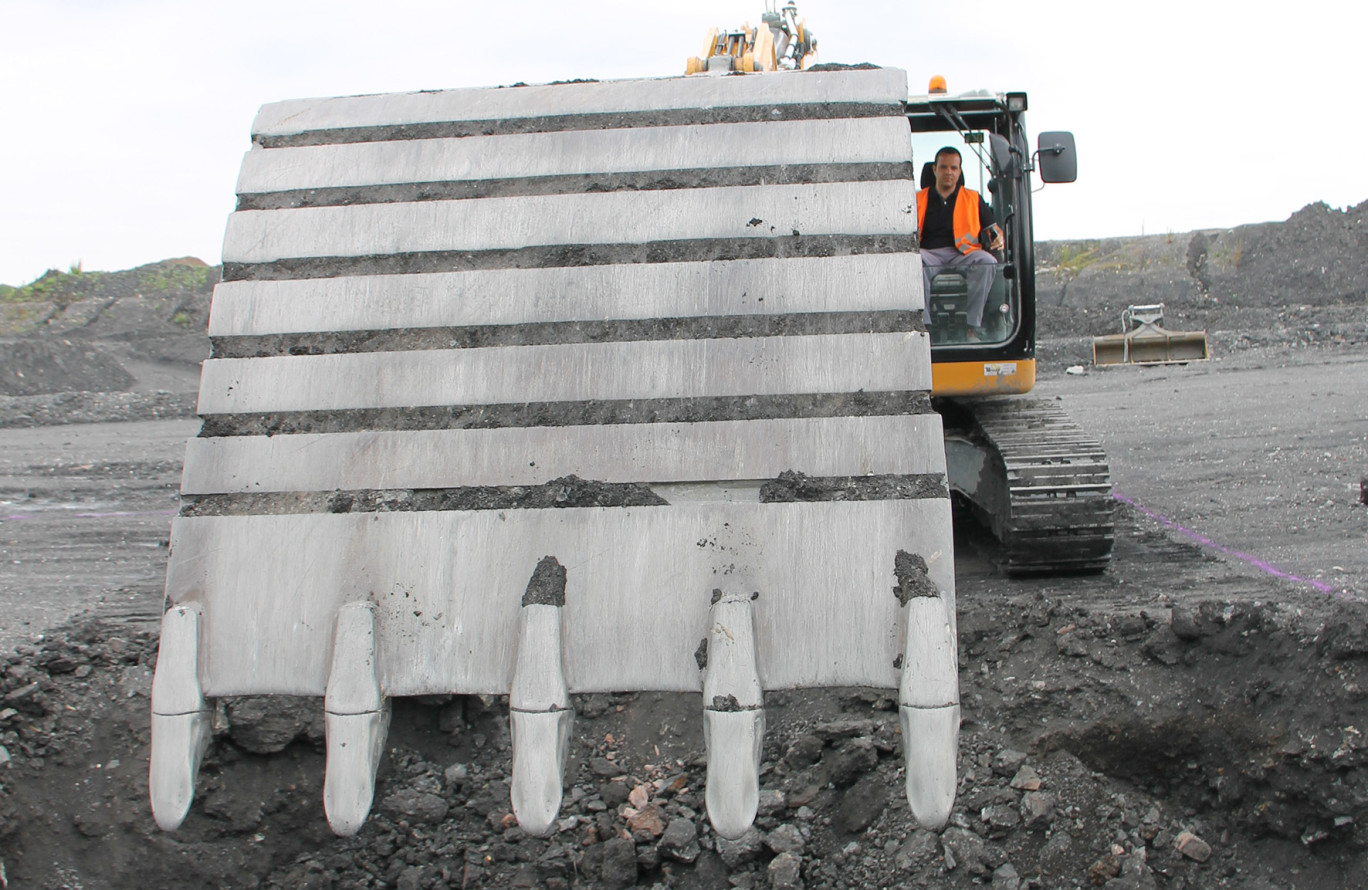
(503,376)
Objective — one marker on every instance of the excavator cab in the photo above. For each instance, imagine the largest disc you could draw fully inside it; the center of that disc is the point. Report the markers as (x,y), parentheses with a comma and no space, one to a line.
(950,292)
(988,130)
(1040,484)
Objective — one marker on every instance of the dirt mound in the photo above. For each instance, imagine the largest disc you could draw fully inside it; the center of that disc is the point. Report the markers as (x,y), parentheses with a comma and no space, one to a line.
(1315,258)
(33,366)
(1246,279)
(1187,747)
(137,331)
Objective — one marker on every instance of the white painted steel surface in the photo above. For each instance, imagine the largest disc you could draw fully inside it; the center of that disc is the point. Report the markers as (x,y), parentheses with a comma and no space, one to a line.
(538,680)
(834,141)
(637,452)
(586,293)
(735,741)
(930,674)
(541,743)
(657,369)
(356,720)
(883,85)
(540,718)
(930,749)
(928,699)
(733,715)
(448,587)
(751,212)
(180,717)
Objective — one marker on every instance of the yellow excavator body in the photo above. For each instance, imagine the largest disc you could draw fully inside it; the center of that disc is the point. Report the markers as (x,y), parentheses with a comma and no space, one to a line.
(781,41)
(980,378)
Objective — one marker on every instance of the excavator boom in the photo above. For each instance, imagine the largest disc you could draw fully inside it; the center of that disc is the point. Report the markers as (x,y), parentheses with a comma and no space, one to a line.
(781,42)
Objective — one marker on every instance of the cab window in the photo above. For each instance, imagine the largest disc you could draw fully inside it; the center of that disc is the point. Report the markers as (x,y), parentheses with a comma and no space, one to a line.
(950,298)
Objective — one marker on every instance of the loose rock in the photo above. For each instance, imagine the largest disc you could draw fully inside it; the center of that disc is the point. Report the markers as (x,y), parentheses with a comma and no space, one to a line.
(680,841)
(1192,846)
(743,849)
(416,805)
(785,872)
(619,867)
(785,839)
(864,803)
(265,724)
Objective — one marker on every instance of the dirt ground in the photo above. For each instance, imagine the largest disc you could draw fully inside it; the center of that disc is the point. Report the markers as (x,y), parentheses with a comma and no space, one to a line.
(1194,717)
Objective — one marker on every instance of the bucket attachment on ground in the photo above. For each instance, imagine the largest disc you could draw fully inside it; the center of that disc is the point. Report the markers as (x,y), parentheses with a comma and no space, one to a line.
(564,389)
(1146,341)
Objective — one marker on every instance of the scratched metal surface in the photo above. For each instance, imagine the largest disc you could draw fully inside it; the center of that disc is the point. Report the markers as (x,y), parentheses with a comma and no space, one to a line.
(766,287)
(639,583)
(886,86)
(569,372)
(742,212)
(447,583)
(572,152)
(650,453)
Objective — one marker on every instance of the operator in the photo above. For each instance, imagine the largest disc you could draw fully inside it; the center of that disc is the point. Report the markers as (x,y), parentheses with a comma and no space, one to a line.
(950,219)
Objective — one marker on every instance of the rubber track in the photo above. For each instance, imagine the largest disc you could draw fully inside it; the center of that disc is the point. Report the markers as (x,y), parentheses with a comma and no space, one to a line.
(1061,509)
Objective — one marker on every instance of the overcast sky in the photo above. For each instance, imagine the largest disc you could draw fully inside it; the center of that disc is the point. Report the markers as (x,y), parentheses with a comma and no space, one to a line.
(124,121)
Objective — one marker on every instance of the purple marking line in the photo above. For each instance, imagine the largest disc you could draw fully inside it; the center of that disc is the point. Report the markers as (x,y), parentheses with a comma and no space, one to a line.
(1244,557)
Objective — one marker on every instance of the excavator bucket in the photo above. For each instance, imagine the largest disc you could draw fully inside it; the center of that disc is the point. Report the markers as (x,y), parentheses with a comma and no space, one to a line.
(1146,341)
(561,389)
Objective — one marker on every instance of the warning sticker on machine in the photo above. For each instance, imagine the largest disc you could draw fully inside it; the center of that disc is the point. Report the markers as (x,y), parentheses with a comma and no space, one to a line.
(999,369)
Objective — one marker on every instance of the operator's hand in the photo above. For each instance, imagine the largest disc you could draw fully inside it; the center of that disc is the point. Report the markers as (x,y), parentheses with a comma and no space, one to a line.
(997,243)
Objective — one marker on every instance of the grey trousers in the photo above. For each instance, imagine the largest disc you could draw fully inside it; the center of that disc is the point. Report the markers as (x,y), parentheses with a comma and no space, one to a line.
(978,266)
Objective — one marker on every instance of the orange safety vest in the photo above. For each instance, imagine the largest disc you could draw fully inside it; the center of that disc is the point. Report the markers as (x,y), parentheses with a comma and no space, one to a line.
(965,220)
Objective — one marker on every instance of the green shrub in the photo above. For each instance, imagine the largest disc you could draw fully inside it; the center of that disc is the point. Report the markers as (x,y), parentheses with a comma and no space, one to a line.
(173,277)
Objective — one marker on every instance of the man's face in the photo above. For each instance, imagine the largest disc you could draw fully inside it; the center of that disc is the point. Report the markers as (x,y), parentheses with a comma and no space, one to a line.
(947,172)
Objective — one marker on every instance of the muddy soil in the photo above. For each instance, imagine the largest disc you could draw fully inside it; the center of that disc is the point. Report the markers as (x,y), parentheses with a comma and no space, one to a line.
(1130,730)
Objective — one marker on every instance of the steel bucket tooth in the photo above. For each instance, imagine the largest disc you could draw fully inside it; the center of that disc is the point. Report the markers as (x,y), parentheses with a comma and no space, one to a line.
(181,719)
(929,712)
(356,720)
(733,715)
(539,703)
(460,330)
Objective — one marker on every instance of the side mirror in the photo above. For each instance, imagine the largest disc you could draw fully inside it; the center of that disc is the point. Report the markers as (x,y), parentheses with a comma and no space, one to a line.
(1057,157)
(1004,159)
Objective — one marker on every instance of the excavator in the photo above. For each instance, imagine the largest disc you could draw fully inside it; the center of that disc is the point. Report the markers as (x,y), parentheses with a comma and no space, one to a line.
(1021,467)
(781,42)
(1036,479)
(600,386)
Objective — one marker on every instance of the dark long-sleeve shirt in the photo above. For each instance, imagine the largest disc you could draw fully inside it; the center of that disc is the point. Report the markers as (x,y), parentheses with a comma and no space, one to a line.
(938,229)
